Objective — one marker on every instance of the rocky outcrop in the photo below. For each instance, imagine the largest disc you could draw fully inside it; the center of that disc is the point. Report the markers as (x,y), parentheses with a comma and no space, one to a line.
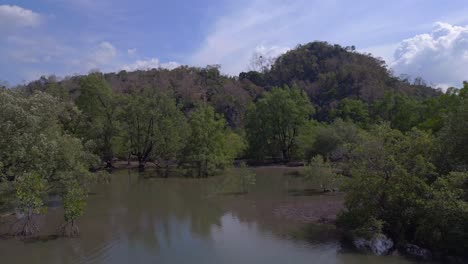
(378,244)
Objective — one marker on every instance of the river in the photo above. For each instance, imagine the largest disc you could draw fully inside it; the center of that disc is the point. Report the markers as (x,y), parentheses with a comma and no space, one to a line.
(137,218)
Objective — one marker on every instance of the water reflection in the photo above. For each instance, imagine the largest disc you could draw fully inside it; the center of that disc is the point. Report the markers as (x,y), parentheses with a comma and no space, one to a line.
(143,219)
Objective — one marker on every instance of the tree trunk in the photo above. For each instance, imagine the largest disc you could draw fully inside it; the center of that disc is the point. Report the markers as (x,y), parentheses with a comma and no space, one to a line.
(285,155)
(141,162)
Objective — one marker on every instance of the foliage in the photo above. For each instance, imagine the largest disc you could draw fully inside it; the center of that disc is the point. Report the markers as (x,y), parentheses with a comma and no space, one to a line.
(453,140)
(74,202)
(332,142)
(444,226)
(322,174)
(153,127)
(206,151)
(37,156)
(352,110)
(97,103)
(394,182)
(30,192)
(273,122)
(402,111)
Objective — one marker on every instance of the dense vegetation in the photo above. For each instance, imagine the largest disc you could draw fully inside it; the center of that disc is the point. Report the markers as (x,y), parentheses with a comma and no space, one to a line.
(398,148)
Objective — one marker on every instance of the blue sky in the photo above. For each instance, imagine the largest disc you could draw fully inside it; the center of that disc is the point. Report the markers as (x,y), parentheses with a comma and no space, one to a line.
(64,37)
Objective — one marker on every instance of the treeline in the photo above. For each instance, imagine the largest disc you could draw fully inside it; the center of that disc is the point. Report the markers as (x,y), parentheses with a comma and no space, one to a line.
(399,148)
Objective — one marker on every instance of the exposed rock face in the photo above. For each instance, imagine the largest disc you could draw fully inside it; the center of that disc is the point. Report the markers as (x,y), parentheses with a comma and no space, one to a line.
(417,251)
(378,245)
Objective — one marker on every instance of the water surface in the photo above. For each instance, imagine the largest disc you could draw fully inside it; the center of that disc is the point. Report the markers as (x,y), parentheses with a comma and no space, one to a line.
(142,219)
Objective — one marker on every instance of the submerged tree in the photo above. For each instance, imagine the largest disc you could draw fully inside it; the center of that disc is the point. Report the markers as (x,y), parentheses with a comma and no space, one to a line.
(30,192)
(207,151)
(247,178)
(322,174)
(37,155)
(74,202)
(154,128)
(238,181)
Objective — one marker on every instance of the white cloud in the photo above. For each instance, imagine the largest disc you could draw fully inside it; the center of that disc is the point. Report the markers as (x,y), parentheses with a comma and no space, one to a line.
(149,64)
(440,57)
(132,52)
(12,16)
(237,35)
(278,23)
(103,56)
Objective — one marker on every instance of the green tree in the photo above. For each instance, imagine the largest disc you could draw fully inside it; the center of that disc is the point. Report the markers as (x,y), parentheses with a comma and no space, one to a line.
(402,111)
(333,142)
(322,174)
(352,110)
(453,137)
(207,151)
(273,123)
(74,202)
(395,190)
(98,105)
(30,192)
(37,155)
(154,128)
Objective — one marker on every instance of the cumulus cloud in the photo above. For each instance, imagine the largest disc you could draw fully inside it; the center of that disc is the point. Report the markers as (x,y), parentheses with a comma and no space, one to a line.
(440,57)
(12,16)
(103,55)
(235,36)
(152,63)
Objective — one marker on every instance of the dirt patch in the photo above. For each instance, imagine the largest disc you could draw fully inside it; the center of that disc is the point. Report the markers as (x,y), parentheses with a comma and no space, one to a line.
(314,210)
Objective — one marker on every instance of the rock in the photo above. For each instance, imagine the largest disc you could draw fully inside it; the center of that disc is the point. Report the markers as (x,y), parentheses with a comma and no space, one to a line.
(378,245)
(416,251)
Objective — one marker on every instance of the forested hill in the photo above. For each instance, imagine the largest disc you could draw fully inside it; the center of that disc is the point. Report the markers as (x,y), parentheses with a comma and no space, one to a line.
(327,73)
(331,73)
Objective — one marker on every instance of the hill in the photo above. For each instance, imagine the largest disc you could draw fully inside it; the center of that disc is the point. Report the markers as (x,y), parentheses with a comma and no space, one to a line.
(327,73)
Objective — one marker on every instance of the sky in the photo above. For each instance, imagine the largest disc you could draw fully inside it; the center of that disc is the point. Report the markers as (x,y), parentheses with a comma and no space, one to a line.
(421,38)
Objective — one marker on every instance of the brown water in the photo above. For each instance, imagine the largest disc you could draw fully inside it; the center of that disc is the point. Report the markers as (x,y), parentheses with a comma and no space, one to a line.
(141,219)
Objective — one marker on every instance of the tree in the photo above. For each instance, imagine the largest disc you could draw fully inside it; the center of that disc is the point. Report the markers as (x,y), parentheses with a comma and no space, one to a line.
(154,128)
(74,202)
(207,151)
(98,104)
(352,110)
(37,155)
(322,174)
(402,111)
(453,137)
(395,190)
(333,142)
(30,192)
(273,122)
